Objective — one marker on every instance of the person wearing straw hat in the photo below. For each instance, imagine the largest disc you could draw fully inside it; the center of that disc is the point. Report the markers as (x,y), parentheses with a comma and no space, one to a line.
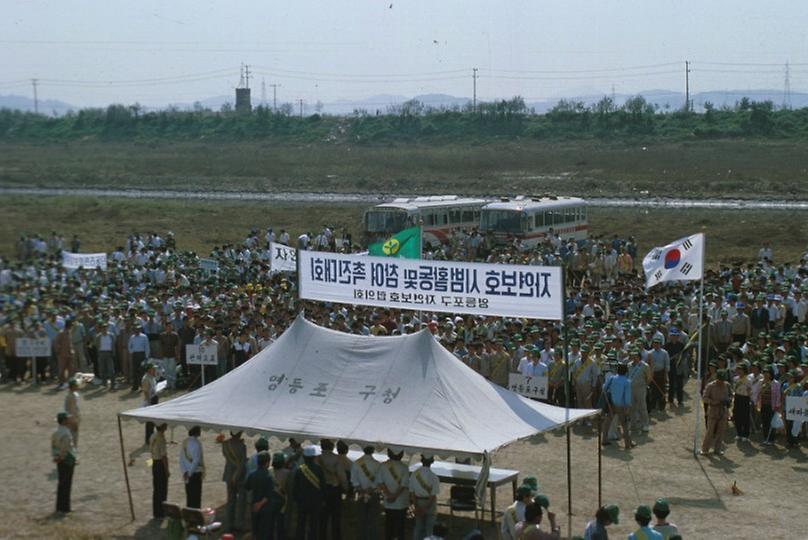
(424,489)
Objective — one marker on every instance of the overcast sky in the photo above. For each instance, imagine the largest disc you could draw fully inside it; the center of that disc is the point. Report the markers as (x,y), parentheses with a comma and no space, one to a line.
(333,49)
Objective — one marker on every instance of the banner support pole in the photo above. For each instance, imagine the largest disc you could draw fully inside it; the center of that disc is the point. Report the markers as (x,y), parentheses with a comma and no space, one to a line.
(567,428)
(699,359)
(125,471)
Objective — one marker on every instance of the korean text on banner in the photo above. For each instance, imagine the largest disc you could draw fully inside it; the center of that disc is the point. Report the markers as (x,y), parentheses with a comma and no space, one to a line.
(797,408)
(450,287)
(30,347)
(532,387)
(72,261)
(201,354)
(282,258)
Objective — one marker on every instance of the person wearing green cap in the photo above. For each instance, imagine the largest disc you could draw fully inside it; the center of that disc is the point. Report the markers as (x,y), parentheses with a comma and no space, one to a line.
(642,515)
(515,512)
(717,399)
(148,391)
(73,409)
(661,511)
(606,515)
(262,493)
(63,452)
(529,528)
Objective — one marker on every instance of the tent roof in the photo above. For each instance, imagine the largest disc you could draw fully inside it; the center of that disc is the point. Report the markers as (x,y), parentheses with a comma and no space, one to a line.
(405,392)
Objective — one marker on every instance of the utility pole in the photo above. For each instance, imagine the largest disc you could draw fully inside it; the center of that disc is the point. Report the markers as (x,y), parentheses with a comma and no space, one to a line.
(274,96)
(787,89)
(687,86)
(263,92)
(36,98)
(474,99)
(300,102)
(247,75)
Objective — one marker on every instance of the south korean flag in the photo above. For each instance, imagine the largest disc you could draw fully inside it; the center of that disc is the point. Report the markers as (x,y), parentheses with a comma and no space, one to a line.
(682,260)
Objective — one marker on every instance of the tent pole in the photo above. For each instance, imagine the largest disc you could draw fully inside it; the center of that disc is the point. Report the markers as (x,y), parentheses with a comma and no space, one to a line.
(125,471)
(566,398)
(600,461)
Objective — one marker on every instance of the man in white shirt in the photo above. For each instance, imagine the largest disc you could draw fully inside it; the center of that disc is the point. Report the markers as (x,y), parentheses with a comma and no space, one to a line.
(394,477)
(424,490)
(365,478)
(515,513)
(192,466)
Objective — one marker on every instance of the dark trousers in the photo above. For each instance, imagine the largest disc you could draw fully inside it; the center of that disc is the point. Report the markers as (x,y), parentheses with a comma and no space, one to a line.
(308,523)
(16,368)
(766,413)
(41,367)
(136,360)
(193,491)
(160,489)
(277,525)
(332,513)
(63,488)
(656,394)
(394,523)
(369,518)
(555,396)
(261,522)
(740,415)
(676,388)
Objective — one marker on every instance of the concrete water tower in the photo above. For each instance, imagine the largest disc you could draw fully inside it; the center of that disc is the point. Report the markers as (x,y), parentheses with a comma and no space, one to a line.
(243,103)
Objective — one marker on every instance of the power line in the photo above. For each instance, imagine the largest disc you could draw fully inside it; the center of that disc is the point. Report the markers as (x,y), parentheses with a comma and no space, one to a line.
(574,71)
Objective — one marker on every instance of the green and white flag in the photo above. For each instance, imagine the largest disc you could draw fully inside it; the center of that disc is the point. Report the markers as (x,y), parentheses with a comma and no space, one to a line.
(405,244)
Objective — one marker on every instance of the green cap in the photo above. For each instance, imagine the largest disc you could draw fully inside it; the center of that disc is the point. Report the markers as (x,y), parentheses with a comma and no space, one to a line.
(278,458)
(614,513)
(523,491)
(531,482)
(62,416)
(642,512)
(661,505)
(262,444)
(542,500)
(73,382)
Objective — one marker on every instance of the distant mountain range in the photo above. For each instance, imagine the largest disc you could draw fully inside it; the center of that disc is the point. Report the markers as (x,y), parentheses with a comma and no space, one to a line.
(664,99)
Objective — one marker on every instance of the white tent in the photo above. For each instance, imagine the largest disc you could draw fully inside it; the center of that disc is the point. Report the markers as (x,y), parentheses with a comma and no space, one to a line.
(404,392)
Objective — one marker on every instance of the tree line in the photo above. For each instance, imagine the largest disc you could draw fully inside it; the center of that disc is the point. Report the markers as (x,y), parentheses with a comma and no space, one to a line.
(414,121)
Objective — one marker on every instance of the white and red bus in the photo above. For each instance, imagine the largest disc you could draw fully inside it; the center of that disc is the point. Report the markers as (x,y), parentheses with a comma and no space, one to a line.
(440,216)
(531,218)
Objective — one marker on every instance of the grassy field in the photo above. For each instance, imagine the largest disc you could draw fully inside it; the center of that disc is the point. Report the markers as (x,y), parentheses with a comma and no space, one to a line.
(724,168)
(200,225)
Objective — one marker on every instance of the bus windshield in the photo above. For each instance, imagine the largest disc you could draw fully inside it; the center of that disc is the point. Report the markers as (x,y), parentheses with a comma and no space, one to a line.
(386,221)
(506,221)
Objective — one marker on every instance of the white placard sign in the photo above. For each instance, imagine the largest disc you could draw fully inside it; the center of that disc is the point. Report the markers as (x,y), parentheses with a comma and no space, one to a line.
(451,287)
(797,408)
(282,258)
(31,347)
(206,355)
(209,265)
(532,387)
(72,261)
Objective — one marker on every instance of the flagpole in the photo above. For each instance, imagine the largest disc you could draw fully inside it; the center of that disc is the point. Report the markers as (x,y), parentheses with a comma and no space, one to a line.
(698,360)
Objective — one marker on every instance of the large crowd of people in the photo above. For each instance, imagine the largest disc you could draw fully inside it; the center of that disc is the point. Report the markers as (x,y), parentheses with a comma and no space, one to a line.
(626,350)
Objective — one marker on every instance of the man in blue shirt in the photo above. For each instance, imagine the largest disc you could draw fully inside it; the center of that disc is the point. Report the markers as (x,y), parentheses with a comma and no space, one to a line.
(618,394)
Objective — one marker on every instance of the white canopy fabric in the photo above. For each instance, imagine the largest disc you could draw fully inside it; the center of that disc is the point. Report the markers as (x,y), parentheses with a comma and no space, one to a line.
(402,392)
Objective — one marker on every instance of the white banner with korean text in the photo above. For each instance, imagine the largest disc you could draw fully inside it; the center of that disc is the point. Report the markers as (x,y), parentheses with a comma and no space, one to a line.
(532,387)
(72,261)
(797,408)
(502,290)
(282,258)
(201,354)
(31,347)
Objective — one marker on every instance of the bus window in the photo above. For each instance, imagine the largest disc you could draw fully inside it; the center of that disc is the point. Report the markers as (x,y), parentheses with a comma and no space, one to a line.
(455,216)
(539,220)
(569,214)
(583,213)
(468,215)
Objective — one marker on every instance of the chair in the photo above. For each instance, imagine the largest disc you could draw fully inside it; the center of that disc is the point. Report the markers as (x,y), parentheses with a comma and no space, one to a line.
(176,526)
(463,499)
(196,521)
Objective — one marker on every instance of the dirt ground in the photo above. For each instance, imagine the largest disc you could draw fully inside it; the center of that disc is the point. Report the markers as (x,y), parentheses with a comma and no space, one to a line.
(662,465)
